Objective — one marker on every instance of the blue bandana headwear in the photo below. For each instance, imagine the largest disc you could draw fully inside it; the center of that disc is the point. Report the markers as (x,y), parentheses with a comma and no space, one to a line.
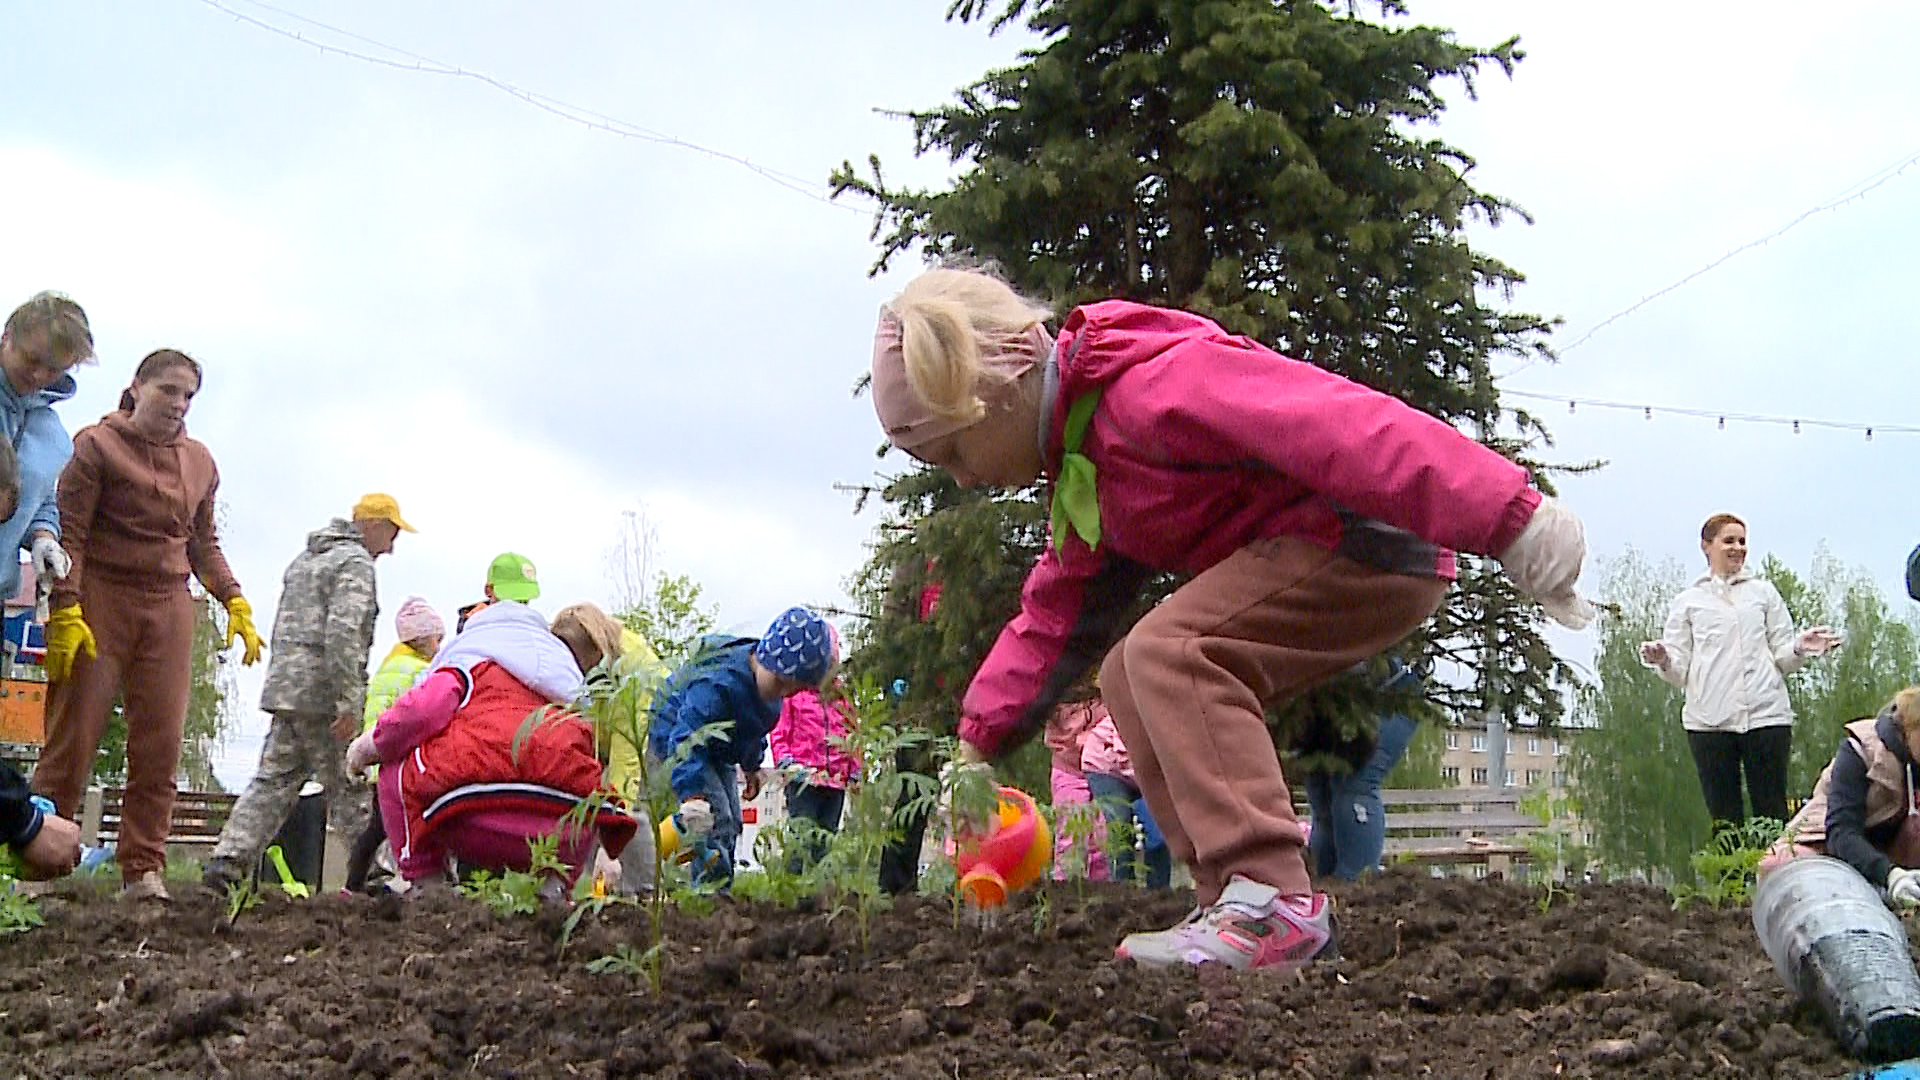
(799,646)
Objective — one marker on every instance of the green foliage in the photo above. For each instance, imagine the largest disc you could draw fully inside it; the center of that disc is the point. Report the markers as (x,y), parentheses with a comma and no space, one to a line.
(1258,163)
(242,896)
(1421,768)
(671,617)
(1631,765)
(1880,657)
(1726,868)
(1555,850)
(624,960)
(511,893)
(19,912)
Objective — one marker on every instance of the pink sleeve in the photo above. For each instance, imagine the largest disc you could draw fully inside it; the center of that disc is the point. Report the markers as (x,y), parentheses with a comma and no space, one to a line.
(419,714)
(1105,753)
(1054,608)
(780,739)
(1367,451)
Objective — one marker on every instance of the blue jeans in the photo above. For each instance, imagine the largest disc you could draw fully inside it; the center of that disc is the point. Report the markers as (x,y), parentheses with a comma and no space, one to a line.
(1349,819)
(1119,800)
(712,863)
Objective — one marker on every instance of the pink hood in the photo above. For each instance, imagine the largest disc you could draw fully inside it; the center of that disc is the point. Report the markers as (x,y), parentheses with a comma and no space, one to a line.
(1205,442)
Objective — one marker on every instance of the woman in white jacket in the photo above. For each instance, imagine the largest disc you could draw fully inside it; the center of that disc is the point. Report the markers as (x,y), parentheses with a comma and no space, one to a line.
(1729,644)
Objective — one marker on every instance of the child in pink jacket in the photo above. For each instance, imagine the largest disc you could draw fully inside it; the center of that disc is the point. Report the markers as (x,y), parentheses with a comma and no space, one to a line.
(1066,736)
(805,746)
(1316,520)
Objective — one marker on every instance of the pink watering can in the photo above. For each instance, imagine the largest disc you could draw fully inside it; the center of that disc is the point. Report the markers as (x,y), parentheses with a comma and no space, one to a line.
(1015,851)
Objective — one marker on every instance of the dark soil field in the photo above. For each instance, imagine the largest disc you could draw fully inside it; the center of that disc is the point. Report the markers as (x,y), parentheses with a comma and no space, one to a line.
(1444,978)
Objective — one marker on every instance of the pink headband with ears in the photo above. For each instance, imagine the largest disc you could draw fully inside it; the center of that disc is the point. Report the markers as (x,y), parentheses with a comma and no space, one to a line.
(907,420)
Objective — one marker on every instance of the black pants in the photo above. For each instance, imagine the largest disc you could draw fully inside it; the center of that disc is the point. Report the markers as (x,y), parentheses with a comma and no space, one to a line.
(900,859)
(365,846)
(820,805)
(1762,754)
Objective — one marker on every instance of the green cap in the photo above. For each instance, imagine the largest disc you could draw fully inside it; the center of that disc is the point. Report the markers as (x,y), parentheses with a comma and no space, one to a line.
(514,578)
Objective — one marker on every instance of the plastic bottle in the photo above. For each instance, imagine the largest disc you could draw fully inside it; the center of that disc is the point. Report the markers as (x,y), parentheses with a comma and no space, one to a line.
(1835,943)
(1015,851)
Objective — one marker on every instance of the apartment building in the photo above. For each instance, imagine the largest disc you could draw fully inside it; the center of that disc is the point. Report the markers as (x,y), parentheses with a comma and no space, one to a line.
(1534,759)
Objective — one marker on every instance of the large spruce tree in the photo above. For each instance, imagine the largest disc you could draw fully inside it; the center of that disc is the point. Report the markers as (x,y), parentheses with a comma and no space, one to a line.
(1268,164)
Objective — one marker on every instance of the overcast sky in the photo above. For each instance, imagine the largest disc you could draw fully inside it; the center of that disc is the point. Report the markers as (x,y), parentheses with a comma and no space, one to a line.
(525,328)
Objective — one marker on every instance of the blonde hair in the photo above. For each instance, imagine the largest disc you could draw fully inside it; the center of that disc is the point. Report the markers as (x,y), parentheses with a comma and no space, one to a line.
(1906,705)
(54,318)
(952,322)
(587,629)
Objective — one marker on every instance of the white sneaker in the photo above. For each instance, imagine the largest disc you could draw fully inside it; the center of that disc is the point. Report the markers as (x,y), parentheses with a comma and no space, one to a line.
(1250,926)
(148,886)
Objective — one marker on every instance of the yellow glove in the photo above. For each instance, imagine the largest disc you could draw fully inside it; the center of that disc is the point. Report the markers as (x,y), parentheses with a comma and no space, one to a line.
(240,625)
(68,635)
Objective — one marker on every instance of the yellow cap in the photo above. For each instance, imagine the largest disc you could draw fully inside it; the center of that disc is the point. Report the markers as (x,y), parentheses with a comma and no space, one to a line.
(379,506)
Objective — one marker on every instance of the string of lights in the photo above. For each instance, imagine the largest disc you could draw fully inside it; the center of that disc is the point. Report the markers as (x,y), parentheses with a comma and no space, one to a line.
(588,118)
(1855,191)
(1721,415)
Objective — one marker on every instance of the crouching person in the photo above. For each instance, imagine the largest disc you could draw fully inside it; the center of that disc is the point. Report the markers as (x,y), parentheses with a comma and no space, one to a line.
(459,778)
(738,683)
(1862,810)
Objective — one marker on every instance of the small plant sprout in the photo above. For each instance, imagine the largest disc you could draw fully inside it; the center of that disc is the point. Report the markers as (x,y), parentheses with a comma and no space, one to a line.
(19,912)
(1727,866)
(623,960)
(242,896)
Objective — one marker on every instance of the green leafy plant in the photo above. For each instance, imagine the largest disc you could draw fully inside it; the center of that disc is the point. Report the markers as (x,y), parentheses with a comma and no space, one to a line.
(507,894)
(242,896)
(1554,848)
(19,912)
(1080,824)
(623,960)
(1726,868)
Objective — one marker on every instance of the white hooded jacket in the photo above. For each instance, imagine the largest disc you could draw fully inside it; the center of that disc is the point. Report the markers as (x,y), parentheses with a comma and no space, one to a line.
(514,636)
(1729,647)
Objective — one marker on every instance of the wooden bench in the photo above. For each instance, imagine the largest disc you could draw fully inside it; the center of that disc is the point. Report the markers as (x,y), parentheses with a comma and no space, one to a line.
(198,817)
(1455,826)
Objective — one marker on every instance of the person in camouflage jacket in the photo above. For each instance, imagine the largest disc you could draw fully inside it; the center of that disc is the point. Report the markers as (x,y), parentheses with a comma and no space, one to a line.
(316,685)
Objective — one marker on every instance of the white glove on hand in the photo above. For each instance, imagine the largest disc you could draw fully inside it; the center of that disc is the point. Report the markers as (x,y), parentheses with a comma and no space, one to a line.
(1815,641)
(50,561)
(1654,654)
(1903,887)
(696,820)
(361,753)
(1545,562)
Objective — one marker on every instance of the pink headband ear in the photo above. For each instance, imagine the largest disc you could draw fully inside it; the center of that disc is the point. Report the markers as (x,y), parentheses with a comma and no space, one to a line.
(907,420)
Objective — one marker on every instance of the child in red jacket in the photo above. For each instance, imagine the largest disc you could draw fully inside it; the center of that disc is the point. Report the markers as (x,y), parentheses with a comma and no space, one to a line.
(1316,518)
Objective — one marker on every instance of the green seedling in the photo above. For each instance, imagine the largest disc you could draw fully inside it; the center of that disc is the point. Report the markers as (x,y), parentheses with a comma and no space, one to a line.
(289,884)
(242,897)
(623,960)
(1727,867)
(19,912)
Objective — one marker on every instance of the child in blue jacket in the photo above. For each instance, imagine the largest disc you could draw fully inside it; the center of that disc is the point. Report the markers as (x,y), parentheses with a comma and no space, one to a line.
(740,682)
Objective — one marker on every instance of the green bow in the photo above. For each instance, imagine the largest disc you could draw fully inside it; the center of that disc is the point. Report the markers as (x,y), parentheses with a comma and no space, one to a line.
(1076,501)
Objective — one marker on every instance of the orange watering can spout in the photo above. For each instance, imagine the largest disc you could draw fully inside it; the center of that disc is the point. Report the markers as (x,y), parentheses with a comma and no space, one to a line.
(1016,850)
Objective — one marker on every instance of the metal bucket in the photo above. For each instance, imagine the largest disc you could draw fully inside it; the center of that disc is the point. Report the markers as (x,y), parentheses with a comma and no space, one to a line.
(1835,943)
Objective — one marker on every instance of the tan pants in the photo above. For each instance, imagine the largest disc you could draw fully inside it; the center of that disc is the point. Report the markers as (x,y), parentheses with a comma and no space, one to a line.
(143,633)
(1188,685)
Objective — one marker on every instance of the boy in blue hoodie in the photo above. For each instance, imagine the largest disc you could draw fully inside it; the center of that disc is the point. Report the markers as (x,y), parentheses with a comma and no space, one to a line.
(739,682)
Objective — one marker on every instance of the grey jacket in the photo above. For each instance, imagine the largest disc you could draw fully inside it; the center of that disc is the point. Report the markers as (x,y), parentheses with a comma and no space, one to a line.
(323,629)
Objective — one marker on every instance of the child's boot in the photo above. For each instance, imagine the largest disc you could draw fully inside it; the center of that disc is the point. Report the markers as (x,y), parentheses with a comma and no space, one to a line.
(1250,926)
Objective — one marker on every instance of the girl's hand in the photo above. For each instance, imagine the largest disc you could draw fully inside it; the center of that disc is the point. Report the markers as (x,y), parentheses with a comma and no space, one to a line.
(1654,654)
(1816,641)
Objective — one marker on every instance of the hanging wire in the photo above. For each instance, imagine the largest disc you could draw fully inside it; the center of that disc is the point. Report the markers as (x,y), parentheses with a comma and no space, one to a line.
(1719,416)
(1855,191)
(585,117)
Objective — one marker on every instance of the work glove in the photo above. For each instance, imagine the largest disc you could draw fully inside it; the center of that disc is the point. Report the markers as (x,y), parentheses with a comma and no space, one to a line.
(50,561)
(68,635)
(1903,887)
(1816,641)
(361,753)
(240,625)
(1544,561)
(695,820)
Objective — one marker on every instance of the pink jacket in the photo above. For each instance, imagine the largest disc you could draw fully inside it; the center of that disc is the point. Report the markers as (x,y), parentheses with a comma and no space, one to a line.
(1205,442)
(1067,729)
(801,737)
(1104,753)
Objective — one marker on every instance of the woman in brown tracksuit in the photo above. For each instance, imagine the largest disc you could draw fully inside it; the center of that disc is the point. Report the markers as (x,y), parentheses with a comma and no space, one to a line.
(137,515)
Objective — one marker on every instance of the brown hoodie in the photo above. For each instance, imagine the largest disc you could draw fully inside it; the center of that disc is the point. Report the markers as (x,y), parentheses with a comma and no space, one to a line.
(136,509)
